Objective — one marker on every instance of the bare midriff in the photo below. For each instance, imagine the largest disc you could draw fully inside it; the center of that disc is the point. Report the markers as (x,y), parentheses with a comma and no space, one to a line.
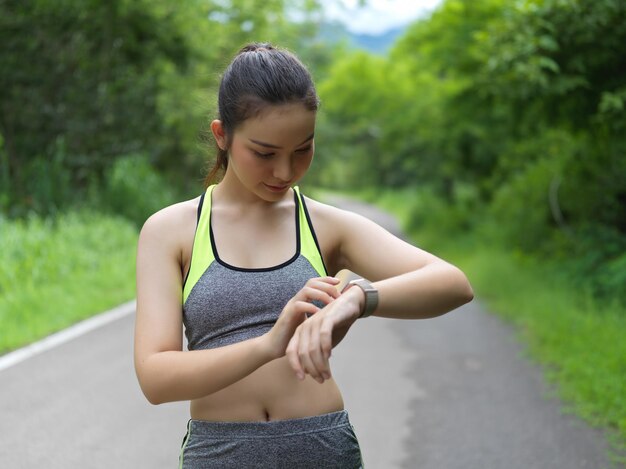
(270,393)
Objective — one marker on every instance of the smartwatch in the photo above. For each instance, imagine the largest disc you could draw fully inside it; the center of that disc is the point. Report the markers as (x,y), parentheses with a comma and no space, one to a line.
(349,279)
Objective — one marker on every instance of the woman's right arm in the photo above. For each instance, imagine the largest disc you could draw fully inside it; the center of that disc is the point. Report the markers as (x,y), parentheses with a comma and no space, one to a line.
(164,371)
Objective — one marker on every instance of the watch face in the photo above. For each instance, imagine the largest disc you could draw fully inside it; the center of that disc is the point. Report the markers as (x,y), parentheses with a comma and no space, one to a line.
(346,277)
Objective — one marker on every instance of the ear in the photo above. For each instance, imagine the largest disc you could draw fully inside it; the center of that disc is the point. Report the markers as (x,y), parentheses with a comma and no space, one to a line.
(220,136)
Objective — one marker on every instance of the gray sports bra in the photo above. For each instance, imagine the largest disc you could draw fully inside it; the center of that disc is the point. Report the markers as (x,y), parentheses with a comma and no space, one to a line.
(223,304)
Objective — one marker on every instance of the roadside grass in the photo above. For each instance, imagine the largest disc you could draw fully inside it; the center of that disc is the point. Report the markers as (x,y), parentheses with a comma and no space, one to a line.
(54,273)
(578,340)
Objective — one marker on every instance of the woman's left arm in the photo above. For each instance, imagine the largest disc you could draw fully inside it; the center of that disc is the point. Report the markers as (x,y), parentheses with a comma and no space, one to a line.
(411,284)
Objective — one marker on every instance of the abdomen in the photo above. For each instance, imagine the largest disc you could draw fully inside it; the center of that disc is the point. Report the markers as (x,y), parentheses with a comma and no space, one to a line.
(270,393)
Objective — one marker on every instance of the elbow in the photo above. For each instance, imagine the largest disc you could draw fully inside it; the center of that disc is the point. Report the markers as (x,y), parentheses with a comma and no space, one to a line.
(150,387)
(465,292)
(154,395)
(151,393)
(468,294)
(155,401)
(455,288)
(153,398)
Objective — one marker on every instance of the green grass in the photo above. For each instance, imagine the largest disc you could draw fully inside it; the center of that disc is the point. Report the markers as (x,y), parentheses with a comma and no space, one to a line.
(54,273)
(579,341)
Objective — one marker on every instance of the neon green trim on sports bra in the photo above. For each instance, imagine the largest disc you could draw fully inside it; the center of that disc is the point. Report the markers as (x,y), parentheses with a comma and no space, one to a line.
(308,242)
(202,254)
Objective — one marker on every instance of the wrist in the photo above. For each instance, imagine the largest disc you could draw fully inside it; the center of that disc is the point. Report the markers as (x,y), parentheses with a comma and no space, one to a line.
(356,297)
(369,297)
(265,348)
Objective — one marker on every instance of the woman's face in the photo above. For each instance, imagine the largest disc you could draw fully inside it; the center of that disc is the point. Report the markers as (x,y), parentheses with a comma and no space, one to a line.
(273,151)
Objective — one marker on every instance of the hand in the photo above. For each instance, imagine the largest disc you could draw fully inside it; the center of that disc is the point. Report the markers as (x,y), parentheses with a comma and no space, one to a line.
(310,347)
(322,289)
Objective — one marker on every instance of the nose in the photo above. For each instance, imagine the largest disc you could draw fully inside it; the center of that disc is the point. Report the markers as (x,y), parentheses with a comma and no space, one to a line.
(283,169)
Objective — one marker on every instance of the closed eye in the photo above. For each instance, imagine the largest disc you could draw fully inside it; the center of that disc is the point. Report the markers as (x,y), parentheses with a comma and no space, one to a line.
(263,155)
(304,150)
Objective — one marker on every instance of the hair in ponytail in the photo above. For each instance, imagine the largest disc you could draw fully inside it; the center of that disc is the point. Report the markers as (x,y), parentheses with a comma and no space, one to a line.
(259,76)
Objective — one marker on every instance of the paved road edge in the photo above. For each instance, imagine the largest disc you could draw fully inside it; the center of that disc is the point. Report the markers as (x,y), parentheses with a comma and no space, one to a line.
(65,335)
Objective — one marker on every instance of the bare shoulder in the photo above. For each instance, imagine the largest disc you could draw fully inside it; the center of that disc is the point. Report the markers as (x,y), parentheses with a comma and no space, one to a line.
(359,244)
(334,228)
(319,209)
(337,220)
(173,225)
(326,218)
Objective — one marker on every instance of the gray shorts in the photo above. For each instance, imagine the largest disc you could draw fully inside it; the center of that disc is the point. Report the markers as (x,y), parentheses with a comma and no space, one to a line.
(323,441)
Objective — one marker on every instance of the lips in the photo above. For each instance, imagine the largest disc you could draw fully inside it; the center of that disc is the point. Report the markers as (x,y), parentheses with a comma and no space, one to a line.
(277,188)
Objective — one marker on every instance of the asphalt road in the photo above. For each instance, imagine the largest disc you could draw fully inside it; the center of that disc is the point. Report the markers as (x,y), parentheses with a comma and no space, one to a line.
(453,392)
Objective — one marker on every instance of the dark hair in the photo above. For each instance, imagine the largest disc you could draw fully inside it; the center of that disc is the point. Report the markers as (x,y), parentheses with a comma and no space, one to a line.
(260,75)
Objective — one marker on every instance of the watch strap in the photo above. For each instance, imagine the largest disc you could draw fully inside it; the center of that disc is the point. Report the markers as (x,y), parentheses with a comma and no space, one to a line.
(347,279)
(371,296)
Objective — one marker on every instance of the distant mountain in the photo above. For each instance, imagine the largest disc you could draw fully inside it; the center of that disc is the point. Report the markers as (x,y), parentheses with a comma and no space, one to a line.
(335,32)
(379,44)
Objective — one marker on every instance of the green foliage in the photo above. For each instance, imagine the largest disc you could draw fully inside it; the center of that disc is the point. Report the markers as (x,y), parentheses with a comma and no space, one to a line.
(576,338)
(103,107)
(557,52)
(359,130)
(574,335)
(507,118)
(47,183)
(54,272)
(133,189)
(594,259)
(83,73)
(445,43)
(528,206)
(374,133)
(116,77)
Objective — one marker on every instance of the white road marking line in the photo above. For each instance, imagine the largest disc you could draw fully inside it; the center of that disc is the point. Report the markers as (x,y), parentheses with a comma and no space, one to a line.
(65,335)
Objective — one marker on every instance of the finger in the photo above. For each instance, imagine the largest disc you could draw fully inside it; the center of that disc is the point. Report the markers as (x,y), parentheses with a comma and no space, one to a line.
(329,284)
(322,282)
(328,279)
(315,286)
(292,355)
(304,356)
(294,313)
(314,294)
(326,340)
(316,354)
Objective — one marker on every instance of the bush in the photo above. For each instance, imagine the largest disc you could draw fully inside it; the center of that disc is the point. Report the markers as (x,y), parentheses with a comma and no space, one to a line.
(134,189)
(527,205)
(42,186)
(595,260)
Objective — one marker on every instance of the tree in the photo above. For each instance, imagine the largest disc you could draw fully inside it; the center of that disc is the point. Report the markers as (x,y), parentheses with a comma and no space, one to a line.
(87,82)
(78,85)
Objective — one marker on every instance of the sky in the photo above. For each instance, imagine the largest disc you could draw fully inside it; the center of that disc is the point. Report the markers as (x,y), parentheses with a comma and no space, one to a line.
(379,15)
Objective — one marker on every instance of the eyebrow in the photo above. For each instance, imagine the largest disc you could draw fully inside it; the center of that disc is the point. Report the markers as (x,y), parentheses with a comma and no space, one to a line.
(269,145)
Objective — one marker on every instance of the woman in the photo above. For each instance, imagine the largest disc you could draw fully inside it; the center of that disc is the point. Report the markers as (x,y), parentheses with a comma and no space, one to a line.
(245,267)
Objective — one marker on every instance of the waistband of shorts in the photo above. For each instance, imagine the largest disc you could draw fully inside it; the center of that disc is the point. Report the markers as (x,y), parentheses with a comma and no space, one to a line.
(271,429)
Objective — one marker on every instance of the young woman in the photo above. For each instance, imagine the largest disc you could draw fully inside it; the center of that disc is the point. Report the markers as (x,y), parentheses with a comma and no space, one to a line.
(246,269)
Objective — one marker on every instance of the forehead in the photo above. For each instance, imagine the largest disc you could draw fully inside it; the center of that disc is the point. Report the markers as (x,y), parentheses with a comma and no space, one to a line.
(279,124)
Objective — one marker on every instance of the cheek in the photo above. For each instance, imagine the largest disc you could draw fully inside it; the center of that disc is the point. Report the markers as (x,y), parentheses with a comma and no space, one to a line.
(245,158)
(253,166)
(304,162)
(237,151)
